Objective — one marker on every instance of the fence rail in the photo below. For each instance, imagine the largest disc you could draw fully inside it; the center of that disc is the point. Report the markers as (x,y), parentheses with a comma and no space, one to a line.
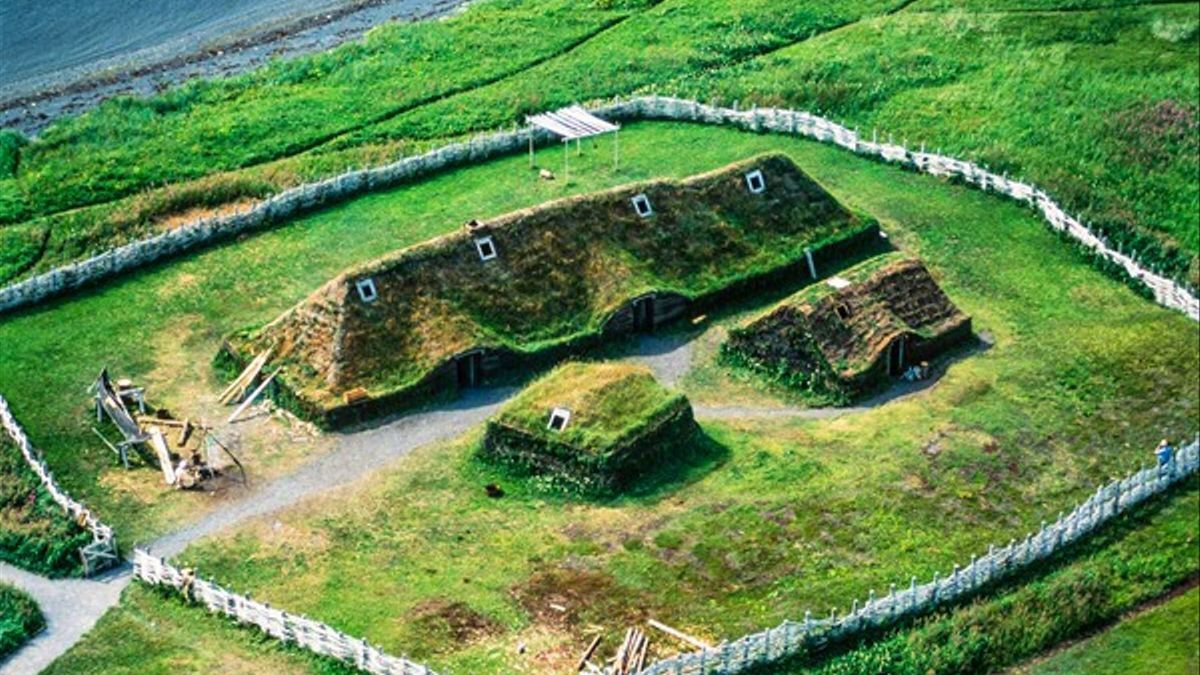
(304,632)
(304,197)
(102,552)
(793,637)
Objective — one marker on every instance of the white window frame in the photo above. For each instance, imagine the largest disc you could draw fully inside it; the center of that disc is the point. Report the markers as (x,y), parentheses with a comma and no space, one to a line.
(642,199)
(756,174)
(557,413)
(367,292)
(481,242)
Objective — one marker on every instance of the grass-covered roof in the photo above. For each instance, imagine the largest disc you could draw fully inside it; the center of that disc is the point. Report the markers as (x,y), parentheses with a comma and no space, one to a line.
(562,269)
(849,321)
(610,403)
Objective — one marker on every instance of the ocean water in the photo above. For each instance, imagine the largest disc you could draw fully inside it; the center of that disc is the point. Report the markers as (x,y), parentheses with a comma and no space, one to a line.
(49,41)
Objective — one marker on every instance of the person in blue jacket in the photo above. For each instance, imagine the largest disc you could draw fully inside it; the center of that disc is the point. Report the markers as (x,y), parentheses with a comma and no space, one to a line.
(1164,452)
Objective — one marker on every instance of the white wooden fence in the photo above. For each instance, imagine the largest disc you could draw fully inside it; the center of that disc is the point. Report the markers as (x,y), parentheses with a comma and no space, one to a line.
(304,632)
(298,199)
(102,552)
(792,637)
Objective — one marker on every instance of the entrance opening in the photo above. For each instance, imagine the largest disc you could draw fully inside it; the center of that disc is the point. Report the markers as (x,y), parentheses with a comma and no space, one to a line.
(896,358)
(470,370)
(643,314)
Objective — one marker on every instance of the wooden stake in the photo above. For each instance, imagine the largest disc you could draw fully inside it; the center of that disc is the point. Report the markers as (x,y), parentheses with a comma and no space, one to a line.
(588,654)
(185,432)
(679,635)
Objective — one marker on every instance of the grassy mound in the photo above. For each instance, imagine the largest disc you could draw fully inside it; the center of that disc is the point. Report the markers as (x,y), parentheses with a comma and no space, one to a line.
(562,271)
(621,421)
(20,619)
(837,341)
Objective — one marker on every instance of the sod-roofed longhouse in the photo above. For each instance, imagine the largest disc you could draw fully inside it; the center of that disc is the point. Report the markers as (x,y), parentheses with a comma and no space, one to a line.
(592,426)
(544,281)
(848,333)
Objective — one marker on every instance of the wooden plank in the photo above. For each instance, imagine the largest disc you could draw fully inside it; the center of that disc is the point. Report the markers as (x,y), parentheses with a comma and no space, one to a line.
(250,399)
(679,635)
(184,432)
(159,443)
(640,663)
(588,654)
(247,376)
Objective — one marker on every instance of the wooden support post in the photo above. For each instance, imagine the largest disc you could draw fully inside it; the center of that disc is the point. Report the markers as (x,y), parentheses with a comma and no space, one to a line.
(617,149)
(566,161)
(254,395)
(120,453)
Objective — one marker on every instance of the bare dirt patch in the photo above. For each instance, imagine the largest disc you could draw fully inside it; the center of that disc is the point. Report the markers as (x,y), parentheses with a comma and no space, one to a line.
(454,619)
(569,599)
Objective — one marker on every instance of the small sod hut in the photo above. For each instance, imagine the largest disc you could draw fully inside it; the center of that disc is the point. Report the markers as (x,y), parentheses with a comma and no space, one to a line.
(845,335)
(594,427)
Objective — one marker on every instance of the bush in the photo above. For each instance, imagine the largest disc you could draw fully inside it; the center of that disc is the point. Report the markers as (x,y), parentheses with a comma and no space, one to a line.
(34,532)
(20,619)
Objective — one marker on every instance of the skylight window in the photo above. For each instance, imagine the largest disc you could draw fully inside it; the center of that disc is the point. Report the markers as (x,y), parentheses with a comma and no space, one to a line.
(486,248)
(366,290)
(558,419)
(756,182)
(641,204)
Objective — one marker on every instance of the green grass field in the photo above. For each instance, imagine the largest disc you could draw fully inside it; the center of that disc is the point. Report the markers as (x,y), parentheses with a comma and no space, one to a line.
(20,619)
(1134,560)
(1068,99)
(1161,639)
(1099,105)
(1082,353)
(793,515)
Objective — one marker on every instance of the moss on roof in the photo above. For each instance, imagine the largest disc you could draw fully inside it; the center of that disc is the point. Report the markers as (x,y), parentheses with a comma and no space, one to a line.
(562,269)
(841,328)
(610,403)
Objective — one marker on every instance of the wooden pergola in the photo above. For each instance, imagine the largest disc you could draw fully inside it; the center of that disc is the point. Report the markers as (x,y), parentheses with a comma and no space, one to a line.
(574,124)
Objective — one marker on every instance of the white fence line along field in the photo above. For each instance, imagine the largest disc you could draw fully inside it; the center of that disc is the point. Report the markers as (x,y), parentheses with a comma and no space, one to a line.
(774,644)
(304,632)
(103,549)
(756,649)
(296,200)
(791,638)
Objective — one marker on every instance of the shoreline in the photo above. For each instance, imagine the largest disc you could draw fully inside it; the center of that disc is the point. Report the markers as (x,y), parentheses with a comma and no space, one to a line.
(35,103)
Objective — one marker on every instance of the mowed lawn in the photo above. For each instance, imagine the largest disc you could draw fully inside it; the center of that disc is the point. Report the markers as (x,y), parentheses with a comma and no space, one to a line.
(781,517)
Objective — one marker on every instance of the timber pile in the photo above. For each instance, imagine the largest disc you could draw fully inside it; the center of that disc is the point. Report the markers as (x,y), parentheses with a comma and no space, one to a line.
(184,457)
(631,657)
(236,390)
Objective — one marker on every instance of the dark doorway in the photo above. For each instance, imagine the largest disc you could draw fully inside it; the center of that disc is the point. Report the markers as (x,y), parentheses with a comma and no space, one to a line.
(470,370)
(896,357)
(643,314)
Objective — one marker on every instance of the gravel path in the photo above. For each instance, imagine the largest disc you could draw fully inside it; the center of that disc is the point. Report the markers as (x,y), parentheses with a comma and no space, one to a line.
(72,606)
